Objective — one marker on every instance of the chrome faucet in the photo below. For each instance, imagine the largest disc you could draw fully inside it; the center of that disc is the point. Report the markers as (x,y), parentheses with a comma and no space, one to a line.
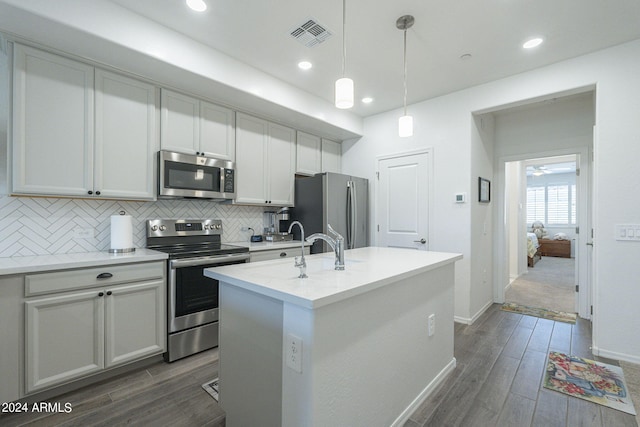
(300,261)
(336,244)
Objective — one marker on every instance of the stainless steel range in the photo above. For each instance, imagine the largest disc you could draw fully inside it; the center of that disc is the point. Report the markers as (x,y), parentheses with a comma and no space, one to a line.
(192,298)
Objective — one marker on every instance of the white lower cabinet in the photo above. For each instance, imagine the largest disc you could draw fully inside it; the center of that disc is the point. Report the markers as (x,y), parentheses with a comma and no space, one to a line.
(64,338)
(270,254)
(72,334)
(133,318)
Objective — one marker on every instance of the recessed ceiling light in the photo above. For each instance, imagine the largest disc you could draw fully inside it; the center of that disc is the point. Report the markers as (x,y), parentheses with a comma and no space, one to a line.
(305,65)
(531,43)
(367,100)
(197,5)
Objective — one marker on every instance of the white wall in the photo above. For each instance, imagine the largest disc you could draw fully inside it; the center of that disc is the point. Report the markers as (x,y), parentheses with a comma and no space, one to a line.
(444,123)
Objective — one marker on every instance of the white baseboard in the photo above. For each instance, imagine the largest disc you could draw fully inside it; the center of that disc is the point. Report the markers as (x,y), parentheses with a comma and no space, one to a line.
(424,394)
(471,320)
(614,355)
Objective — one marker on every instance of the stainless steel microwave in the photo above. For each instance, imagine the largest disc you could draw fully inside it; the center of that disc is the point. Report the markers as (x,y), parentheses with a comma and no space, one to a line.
(186,175)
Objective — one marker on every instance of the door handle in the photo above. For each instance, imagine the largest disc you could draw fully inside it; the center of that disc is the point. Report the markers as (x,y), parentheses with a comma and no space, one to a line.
(589,244)
(423,241)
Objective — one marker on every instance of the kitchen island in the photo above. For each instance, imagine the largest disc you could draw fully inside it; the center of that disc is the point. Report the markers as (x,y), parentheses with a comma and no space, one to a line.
(348,347)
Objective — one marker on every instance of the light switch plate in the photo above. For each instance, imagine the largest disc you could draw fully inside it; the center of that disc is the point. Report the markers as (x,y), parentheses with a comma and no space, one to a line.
(627,232)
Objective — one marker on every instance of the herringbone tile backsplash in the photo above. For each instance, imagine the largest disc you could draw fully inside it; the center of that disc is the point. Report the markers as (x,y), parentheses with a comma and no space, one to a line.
(45,226)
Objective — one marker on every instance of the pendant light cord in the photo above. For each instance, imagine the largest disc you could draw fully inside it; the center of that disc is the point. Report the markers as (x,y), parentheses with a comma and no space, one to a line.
(344,35)
(405,71)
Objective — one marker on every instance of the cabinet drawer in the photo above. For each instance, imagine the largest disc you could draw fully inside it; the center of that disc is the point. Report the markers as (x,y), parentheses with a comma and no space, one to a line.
(277,254)
(43,283)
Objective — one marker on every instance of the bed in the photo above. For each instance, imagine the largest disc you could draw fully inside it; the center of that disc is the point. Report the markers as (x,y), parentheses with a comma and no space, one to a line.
(533,254)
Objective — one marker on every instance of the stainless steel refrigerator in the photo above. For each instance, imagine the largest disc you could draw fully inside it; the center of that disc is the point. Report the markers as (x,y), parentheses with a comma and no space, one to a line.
(336,199)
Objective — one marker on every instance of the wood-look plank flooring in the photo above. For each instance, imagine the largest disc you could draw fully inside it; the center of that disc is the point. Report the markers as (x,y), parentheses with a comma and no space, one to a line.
(498,378)
(162,394)
(497,382)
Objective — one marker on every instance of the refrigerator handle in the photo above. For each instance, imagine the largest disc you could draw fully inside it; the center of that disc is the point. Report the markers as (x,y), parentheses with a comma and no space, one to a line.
(354,216)
(349,212)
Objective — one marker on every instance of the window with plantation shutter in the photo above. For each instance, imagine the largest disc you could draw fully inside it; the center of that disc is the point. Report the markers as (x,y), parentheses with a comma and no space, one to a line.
(552,204)
(536,204)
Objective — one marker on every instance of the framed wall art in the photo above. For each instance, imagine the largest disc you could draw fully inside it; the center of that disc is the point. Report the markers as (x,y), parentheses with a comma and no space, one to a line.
(484,190)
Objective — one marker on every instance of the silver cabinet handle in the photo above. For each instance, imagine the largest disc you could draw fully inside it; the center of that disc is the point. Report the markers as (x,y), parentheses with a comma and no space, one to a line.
(423,241)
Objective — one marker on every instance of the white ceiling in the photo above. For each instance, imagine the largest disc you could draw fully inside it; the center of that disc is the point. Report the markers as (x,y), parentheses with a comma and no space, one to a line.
(256,32)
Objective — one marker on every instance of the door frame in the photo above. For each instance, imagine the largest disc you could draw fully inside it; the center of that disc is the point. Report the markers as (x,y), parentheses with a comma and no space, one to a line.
(585,222)
(375,225)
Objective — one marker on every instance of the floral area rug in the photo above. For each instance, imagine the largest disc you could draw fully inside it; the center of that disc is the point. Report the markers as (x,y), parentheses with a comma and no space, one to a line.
(559,316)
(211,387)
(589,380)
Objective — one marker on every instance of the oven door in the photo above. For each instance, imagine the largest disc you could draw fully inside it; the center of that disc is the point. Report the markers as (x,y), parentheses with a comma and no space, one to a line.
(184,175)
(193,298)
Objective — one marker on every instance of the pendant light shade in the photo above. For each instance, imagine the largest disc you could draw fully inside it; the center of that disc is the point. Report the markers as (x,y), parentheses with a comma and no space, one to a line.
(405,123)
(344,86)
(405,126)
(344,93)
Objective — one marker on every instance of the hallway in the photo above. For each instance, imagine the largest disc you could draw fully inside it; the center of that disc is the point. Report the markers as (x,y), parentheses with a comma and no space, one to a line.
(549,284)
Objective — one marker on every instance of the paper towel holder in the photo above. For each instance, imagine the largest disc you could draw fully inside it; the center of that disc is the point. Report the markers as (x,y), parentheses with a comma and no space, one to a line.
(124,250)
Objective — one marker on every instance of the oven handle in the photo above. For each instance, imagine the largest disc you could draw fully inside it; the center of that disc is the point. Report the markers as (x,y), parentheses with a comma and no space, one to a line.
(207,260)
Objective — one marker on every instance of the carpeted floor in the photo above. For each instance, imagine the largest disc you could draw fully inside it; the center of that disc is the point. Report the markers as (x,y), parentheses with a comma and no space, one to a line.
(549,284)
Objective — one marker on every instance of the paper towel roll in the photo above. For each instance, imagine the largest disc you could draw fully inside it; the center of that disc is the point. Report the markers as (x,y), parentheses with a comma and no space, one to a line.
(121,233)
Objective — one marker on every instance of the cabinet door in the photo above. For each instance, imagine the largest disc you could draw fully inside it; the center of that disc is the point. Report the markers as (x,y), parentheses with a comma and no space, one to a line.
(126,137)
(331,156)
(180,130)
(64,338)
(134,321)
(281,165)
(217,131)
(251,142)
(308,154)
(52,124)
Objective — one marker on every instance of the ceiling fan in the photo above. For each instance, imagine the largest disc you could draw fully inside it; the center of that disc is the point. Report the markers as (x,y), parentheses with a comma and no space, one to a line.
(540,170)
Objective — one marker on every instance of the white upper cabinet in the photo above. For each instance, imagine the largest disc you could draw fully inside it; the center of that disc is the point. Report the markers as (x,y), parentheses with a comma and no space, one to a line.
(331,156)
(52,124)
(308,154)
(180,129)
(74,138)
(281,165)
(193,126)
(126,137)
(265,162)
(217,131)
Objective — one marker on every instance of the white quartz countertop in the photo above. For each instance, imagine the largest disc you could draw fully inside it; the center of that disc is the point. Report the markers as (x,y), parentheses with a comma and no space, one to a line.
(38,263)
(265,246)
(365,269)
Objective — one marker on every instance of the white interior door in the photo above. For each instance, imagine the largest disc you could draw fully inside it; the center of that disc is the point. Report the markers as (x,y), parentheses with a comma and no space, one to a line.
(403,201)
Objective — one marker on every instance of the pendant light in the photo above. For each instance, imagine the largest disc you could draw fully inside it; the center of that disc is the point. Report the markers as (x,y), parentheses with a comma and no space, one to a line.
(405,123)
(344,85)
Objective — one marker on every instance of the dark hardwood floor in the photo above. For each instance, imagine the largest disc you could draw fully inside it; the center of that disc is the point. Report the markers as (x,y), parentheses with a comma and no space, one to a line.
(497,382)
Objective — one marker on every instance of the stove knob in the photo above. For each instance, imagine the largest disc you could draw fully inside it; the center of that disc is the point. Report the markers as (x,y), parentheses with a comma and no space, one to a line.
(218,226)
(162,228)
(154,227)
(206,227)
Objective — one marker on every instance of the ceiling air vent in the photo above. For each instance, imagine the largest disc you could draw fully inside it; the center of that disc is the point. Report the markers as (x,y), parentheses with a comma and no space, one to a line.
(310,33)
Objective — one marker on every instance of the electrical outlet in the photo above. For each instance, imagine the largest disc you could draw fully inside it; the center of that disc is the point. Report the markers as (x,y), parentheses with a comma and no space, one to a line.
(432,324)
(83,233)
(293,353)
